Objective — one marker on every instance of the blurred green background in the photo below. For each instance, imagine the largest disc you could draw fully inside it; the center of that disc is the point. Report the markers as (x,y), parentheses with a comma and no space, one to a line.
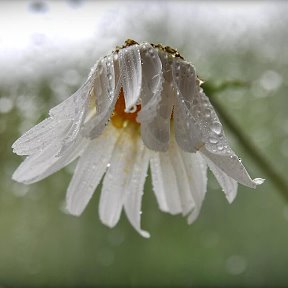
(46,51)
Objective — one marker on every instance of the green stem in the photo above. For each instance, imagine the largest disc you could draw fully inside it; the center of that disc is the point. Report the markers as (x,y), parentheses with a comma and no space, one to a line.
(249,147)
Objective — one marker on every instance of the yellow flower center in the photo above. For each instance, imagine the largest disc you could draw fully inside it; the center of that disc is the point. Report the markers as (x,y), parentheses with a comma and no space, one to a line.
(120,118)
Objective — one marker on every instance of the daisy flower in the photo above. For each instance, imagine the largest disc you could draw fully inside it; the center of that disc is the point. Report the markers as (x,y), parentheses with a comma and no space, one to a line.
(142,106)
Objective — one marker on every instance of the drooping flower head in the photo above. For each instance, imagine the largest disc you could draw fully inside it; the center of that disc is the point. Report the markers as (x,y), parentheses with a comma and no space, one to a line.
(141,106)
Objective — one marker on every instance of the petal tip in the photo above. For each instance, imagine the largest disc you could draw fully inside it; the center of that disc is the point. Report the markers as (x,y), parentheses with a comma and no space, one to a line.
(145,234)
(72,211)
(230,197)
(258,181)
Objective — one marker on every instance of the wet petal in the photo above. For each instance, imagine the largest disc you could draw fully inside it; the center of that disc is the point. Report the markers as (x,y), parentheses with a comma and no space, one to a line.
(165,183)
(187,132)
(228,184)
(113,190)
(196,170)
(155,131)
(182,179)
(131,74)
(106,91)
(89,171)
(196,122)
(232,166)
(42,164)
(135,186)
(152,81)
(41,136)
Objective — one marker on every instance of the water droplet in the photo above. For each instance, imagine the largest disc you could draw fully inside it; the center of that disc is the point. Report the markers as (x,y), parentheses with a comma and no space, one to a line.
(220,146)
(133,109)
(216,127)
(195,102)
(213,140)
(108,165)
(207,113)
(258,181)
(110,77)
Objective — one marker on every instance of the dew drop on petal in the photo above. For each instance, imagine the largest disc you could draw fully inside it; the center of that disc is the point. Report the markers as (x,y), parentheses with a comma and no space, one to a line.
(213,140)
(258,181)
(109,75)
(133,109)
(220,146)
(216,127)
(207,113)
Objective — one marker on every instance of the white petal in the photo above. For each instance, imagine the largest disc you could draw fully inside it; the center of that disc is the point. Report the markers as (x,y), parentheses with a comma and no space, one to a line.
(74,104)
(185,194)
(232,166)
(152,81)
(121,166)
(155,128)
(156,132)
(89,171)
(135,186)
(228,184)
(40,136)
(106,91)
(131,74)
(165,183)
(196,122)
(196,169)
(42,164)
(187,133)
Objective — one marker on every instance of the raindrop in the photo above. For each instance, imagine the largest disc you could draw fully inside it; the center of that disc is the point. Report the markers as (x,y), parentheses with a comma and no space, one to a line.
(195,102)
(207,113)
(213,140)
(216,127)
(109,75)
(108,165)
(220,146)
(133,109)
(258,181)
